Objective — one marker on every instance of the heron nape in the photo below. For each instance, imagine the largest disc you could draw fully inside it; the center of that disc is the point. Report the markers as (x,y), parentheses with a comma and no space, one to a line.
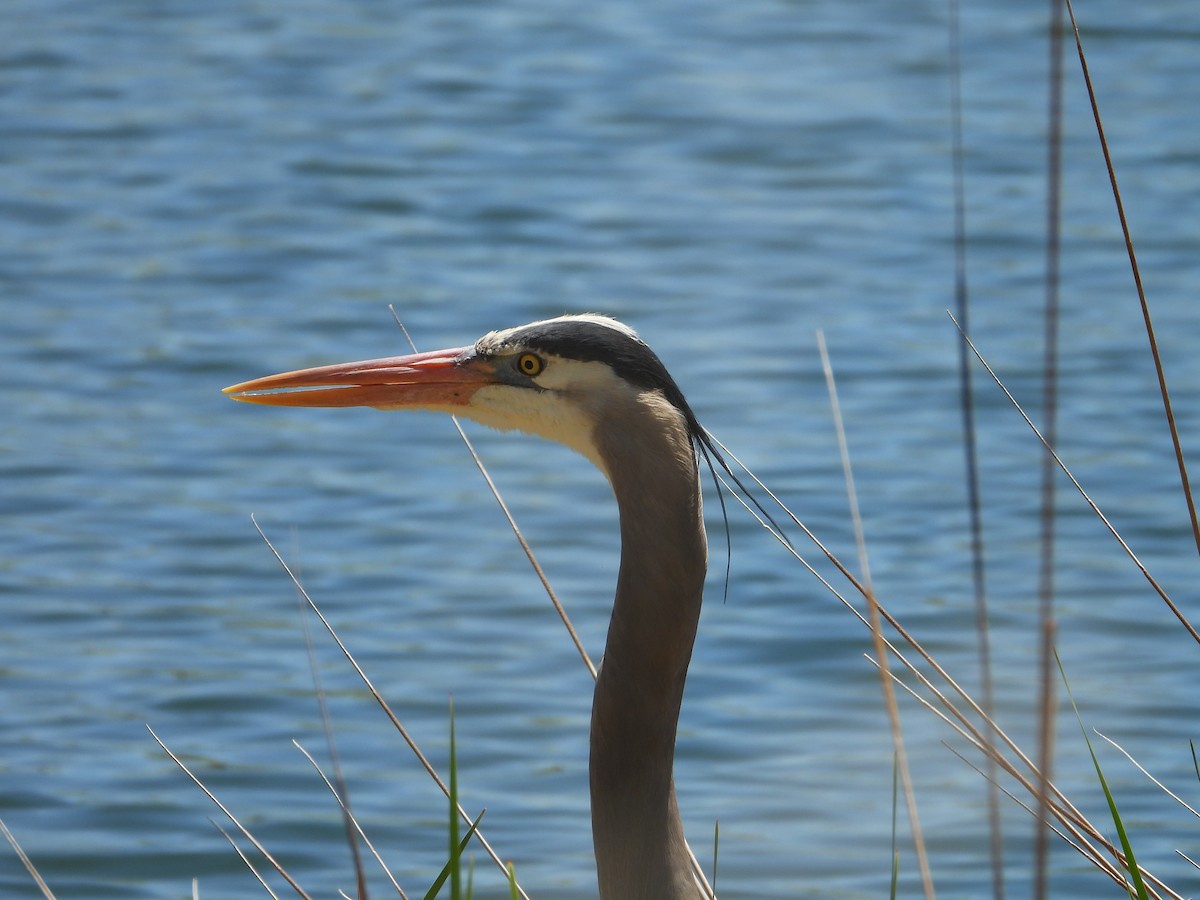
(591,383)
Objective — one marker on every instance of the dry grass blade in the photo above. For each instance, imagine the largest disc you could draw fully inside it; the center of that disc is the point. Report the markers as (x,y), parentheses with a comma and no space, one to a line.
(529,554)
(1166,790)
(889,696)
(221,806)
(245,860)
(383,704)
(350,817)
(512,523)
(27,862)
(1158,589)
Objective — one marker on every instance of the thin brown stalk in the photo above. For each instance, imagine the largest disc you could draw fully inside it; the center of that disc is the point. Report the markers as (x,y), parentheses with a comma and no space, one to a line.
(1137,281)
(26,862)
(889,696)
(1047,683)
(970,446)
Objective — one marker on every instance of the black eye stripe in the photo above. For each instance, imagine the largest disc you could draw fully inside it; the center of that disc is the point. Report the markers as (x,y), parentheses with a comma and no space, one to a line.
(584,340)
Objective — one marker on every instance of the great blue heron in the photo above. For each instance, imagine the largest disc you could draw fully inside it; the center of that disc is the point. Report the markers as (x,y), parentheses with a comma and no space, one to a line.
(591,383)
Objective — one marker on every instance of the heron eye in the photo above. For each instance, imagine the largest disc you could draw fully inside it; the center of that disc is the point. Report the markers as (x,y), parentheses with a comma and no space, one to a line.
(530,364)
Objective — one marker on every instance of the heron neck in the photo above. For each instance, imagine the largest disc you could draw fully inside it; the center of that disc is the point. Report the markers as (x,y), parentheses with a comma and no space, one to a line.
(637,832)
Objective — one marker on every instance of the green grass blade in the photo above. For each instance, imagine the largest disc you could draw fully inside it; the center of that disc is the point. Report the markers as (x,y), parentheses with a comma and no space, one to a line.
(456,869)
(1135,874)
(452,871)
(513,893)
(452,863)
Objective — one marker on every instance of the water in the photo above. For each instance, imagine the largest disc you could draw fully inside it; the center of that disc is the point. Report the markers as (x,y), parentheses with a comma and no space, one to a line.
(197,193)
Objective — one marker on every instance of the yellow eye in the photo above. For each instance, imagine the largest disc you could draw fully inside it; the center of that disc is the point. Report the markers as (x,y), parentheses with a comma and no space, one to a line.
(530,364)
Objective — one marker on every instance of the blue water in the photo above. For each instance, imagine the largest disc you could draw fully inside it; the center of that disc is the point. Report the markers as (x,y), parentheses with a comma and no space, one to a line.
(192,194)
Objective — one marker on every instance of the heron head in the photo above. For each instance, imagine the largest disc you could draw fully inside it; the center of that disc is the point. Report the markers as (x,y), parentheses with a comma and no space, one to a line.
(561,379)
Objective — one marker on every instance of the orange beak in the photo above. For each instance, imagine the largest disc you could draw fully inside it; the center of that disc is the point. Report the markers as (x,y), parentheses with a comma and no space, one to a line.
(440,379)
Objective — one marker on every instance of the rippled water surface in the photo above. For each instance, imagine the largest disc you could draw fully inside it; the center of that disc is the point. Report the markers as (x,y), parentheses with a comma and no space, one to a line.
(192,194)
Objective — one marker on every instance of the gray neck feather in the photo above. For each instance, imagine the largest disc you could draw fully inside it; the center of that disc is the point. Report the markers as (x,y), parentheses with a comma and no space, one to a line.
(640,849)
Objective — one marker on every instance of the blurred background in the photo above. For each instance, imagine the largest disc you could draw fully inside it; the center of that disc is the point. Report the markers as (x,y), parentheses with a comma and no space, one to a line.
(196,193)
